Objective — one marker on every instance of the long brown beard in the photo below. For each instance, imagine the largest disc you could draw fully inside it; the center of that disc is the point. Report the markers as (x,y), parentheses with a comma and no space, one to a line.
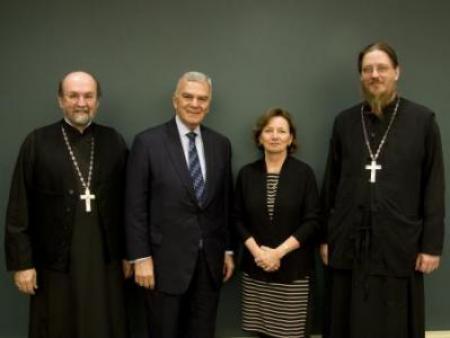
(378,102)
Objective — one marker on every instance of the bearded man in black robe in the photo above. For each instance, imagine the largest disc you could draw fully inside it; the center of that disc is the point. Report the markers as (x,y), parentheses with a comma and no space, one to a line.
(383,200)
(64,231)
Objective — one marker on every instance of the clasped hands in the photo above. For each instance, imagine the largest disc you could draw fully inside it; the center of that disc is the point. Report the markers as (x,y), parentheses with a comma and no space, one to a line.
(268,259)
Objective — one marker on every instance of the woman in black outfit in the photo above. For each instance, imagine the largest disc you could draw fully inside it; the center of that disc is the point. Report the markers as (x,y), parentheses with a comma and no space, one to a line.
(276,213)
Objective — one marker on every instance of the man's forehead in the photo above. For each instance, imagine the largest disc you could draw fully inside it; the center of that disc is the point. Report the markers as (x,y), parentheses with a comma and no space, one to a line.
(78,87)
(79,82)
(377,56)
(189,85)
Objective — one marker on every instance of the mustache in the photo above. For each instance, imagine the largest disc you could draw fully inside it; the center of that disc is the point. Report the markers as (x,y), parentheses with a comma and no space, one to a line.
(375,81)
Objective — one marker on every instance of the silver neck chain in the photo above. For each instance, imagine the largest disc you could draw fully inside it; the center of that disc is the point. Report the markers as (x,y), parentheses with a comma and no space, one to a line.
(373,156)
(75,162)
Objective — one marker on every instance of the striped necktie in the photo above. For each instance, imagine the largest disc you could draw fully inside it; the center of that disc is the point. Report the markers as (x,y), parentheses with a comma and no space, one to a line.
(194,169)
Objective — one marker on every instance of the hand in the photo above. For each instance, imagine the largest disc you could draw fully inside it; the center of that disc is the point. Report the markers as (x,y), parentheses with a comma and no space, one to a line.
(269,260)
(427,263)
(26,281)
(324,253)
(144,273)
(127,269)
(228,267)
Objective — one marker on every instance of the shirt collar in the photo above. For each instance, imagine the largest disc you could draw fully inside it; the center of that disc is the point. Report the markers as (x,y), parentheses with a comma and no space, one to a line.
(183,129)
(72,130)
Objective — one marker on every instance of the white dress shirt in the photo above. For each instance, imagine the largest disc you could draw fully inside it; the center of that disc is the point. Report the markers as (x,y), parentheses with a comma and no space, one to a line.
(183,131)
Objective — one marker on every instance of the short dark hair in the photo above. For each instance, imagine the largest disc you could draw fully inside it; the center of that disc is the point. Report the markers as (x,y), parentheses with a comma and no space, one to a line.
(379,45)
(61,82)
(264,120)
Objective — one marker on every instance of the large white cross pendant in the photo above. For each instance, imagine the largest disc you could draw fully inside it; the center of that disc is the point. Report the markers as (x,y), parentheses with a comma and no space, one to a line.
(373,167)
(87,197)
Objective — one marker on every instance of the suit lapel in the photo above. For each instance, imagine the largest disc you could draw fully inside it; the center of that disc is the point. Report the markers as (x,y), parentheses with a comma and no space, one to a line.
(176,155)
(210,158)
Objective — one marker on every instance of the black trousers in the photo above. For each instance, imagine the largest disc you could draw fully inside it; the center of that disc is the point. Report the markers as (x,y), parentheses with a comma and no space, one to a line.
(190,315)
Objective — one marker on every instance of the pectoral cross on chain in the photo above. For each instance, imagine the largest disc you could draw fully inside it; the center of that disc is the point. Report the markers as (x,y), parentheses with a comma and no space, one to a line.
(373,167)
(87,197)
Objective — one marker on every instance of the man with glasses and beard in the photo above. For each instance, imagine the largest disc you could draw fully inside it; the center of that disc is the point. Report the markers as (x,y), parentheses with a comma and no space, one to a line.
(383,202)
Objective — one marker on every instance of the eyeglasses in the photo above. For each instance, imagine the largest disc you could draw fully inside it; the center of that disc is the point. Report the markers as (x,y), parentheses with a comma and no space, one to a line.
(381,69)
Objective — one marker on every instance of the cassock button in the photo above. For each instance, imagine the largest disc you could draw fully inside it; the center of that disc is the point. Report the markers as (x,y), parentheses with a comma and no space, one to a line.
(71,192)
(68,209)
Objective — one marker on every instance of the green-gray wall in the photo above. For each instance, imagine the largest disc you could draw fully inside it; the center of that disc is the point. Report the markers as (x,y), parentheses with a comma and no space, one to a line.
(300,55)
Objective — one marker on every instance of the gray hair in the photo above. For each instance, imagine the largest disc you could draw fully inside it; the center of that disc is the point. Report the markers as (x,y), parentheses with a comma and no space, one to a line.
(196,77)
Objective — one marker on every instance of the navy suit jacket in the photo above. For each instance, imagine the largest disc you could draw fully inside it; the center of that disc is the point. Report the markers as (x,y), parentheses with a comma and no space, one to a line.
(163,217)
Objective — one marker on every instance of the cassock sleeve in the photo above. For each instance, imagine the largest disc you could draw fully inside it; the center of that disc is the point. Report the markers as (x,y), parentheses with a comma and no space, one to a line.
(433,183)
(19,255)
(123,163)
(330,182)
(137,196)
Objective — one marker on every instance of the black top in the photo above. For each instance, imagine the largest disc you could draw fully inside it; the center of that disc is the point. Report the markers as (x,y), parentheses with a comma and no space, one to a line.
(295,213)
(402,212)
(45,192)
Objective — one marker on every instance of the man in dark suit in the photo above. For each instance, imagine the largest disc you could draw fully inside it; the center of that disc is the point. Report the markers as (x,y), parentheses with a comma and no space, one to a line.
(177,215)
(64,230)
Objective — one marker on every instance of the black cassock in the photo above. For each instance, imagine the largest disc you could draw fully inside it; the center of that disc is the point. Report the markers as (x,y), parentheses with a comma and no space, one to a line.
(375,230)
(83,296)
